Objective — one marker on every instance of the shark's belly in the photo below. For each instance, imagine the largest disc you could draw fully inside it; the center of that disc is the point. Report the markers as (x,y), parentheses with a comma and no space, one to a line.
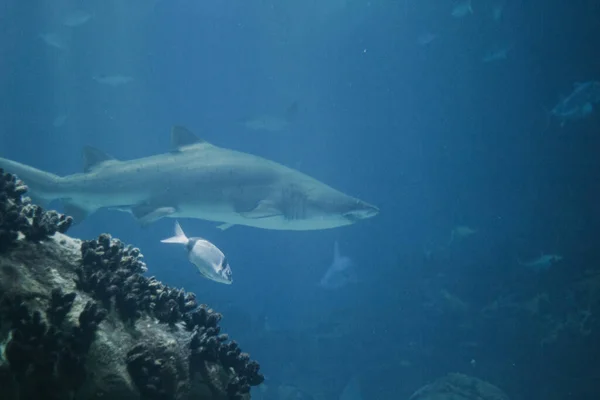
(226,214)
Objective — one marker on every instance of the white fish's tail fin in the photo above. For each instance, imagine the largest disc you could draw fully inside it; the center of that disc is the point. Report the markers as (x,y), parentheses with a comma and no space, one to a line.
(43,186)
(179,236)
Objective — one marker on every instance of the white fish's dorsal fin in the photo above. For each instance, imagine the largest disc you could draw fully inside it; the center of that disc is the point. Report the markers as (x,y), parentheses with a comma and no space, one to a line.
(336,251)
(92,158)
(179,236)
(182,138)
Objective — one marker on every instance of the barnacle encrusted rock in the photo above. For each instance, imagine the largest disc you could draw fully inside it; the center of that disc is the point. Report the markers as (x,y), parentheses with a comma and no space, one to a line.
(79,320)
(459,387)
(19,217)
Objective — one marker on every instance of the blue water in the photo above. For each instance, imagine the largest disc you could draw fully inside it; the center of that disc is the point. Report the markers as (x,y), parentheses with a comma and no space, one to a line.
(429,133)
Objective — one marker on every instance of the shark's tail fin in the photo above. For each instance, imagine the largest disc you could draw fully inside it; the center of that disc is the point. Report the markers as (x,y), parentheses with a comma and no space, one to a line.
(43,186)
(179,236)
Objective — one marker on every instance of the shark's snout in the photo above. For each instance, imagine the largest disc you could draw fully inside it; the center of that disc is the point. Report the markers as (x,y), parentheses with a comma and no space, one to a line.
(361,211)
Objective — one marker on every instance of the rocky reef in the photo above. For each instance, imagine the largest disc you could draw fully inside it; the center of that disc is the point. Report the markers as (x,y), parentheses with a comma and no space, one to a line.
(80,320)
(459,387)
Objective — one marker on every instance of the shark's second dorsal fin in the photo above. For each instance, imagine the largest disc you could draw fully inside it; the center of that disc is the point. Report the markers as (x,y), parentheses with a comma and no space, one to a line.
(92,158)
(182,137)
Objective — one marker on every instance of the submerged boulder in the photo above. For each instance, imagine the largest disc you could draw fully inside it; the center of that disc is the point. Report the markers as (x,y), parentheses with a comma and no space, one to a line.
(79,320)
(459,387)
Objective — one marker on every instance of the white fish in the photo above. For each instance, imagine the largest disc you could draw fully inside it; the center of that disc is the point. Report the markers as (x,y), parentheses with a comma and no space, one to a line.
(76,18)
(207,257)
(340,273)
(543,262)
(112,80)
(462,9)
(54,40)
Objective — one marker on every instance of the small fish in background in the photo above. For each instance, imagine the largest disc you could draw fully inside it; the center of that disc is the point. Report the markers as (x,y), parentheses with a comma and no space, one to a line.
(496,54)
(352,390)
(340,273)
(112,80)
(579,104)
(462,8)
(54,40)
(498,10)
(207,257)
(460,232)
(60,120)
(272,123)
(75,18)
(426,38)
(543,262)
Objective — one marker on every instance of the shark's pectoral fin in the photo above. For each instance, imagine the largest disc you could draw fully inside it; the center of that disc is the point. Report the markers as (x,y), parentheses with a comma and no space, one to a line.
(77,212)
(264,209)
(147,214)
(224,226)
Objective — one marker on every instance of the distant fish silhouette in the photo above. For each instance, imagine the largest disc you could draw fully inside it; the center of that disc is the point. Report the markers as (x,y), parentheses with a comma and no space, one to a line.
(60,120)
(460,232)
(426,38)
(340,273)
(352,390)
(272,123)
(462,8)
(542,263)
(54,40)
(112,80)
(579,104)
(497,54)
(76,18)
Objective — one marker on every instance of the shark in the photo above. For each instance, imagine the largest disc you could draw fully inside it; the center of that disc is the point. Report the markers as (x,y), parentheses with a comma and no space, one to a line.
(197,179)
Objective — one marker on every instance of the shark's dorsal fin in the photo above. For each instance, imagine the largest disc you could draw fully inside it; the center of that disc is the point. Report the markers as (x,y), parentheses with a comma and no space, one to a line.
(92,158)
(181,137)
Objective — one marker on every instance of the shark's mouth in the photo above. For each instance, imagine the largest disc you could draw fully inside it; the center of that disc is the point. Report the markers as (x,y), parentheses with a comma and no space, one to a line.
(360,214)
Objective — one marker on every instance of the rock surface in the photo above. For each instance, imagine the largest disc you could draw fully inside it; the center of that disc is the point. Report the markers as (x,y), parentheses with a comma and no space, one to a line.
(459,387)
(79,320)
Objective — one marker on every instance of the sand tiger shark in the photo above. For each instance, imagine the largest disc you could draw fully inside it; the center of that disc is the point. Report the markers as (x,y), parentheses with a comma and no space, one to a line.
(197,179)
